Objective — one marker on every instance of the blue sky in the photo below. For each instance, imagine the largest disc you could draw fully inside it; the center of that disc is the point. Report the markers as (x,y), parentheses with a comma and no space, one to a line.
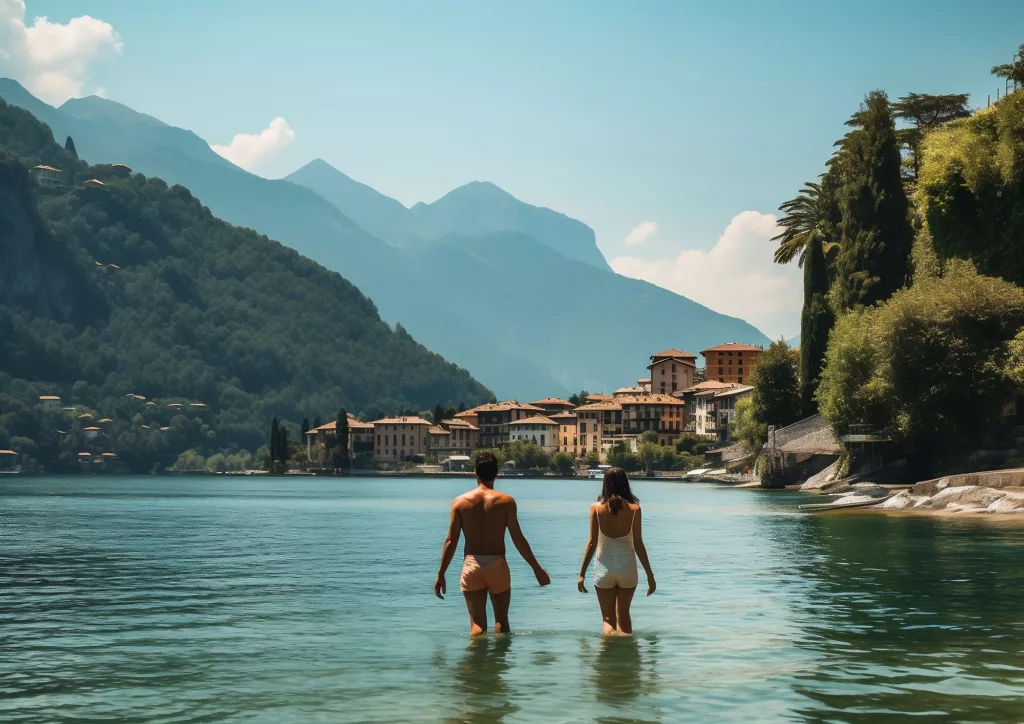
(684,115)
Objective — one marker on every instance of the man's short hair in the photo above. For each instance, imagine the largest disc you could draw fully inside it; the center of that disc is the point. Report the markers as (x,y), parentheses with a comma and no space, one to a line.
(486,467)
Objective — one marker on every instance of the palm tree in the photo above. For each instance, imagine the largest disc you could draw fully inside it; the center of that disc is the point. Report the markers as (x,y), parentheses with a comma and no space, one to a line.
(1013,71)
(800,220)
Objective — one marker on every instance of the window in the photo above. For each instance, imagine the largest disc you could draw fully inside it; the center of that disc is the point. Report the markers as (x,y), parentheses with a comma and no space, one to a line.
(741,379)
(378,442)
(719,371)
(673,366)
(583,427)
(662,370)
(542,440)
(583,440)
(386,440)
(403,442)
(741,370)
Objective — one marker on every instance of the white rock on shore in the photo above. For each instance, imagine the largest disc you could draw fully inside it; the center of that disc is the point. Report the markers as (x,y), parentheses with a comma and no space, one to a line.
(903,499)
(962,498)
(1009,503)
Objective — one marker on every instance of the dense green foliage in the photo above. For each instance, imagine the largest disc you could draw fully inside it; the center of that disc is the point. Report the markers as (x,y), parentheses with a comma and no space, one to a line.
(134,288)
(876,237)
(931,368)
(1014,70)
(751,432)
(816,321)
(776,380)
(925,112)
(971,189)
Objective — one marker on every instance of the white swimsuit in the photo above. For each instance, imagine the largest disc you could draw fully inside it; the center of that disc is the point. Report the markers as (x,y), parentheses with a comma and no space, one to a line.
(615,562)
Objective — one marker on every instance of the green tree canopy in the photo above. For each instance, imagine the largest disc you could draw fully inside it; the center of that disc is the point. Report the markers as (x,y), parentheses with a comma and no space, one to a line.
(1014,70)
(776,381)
(816,321)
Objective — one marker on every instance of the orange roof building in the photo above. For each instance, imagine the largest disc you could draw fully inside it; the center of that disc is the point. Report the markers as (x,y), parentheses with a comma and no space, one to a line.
(672,370)
(731,362)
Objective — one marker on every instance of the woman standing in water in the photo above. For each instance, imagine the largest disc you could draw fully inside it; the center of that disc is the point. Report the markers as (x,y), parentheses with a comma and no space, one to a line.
(615,534)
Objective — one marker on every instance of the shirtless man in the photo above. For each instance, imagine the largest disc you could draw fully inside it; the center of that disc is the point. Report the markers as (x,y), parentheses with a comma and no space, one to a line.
(484,514)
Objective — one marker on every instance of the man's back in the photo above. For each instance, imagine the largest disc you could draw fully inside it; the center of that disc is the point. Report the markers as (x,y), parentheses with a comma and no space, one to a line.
(484,514)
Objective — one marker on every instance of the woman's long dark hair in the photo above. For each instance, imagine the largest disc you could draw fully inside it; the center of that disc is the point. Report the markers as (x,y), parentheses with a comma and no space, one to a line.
(615,491)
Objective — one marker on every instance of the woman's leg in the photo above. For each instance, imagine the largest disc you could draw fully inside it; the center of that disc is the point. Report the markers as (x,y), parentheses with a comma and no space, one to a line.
(606,597)
(624,597)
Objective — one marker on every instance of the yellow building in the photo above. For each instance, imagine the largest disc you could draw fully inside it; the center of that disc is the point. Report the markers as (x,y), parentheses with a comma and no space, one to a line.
(672,370)
(464,435)
(597,425)
(400,438)
(539,429)
(664,414)
(731,362)
(553,405)
(567,440)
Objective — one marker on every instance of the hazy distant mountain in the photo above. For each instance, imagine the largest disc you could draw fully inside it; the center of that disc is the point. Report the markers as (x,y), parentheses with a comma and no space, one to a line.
(379,214)
(515,309)
(474,210)
(794,341)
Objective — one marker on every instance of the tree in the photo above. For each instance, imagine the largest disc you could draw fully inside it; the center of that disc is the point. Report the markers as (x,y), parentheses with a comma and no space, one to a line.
(925,112)
(931,368)
(592,459)
(189,462)
(275,441)
(873,259)
(1014,70)
(621,456)
(284,452)
(648,452)
(579,399)
(562,463)
(305,429)
(316,422)
(816,321)
(341,457)
(776,380)
(438,413)
(462,407)
(69,146)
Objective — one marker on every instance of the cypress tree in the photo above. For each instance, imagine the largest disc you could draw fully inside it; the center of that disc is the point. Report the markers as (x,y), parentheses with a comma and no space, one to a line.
(274,441)
(305,429)
(462,407)
(438,413)
(815,322)
(341,456)
(283,453)
(876,235)
(69,146)
(316,422)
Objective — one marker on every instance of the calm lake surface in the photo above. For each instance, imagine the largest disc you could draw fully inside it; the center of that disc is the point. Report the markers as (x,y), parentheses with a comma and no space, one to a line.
(273,600)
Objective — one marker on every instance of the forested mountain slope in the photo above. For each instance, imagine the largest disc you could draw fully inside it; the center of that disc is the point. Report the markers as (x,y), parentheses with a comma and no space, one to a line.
(132,287)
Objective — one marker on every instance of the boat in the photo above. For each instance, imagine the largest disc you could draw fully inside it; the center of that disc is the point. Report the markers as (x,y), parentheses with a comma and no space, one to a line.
(598,472)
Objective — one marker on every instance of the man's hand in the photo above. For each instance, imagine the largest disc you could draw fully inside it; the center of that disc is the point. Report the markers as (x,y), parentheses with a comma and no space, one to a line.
(651,585)
(542,576)
(441,588)
(579,585)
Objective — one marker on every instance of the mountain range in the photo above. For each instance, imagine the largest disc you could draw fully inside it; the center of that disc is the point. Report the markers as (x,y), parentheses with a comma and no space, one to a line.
(519,295)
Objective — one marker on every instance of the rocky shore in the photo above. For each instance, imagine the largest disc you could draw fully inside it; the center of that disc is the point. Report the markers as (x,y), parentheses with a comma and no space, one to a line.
(992,492)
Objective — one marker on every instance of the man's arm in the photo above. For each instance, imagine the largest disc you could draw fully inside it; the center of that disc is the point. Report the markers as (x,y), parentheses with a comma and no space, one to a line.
(451,544)
(523,546)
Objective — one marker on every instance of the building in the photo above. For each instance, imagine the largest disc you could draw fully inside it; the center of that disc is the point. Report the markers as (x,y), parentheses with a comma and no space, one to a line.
(630,391)
(730,362)
(8,460)
(438,442)
(689,398)
(595,397)
(598,426)
(50,402)
(47,176)
(672,370)
(663,414)
(494,420)
(360,436)
(469,416)
(464,437)
(725,409)
(567,439)
(90,432)
(400,438)
(553,405)
(539,429)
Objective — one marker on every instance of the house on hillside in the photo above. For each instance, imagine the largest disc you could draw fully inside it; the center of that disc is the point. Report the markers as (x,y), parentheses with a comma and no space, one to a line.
(400,439)
(50,402)
(730,362)
(47,176)
(360,436)
(8,461)
(672,370)
(494,420)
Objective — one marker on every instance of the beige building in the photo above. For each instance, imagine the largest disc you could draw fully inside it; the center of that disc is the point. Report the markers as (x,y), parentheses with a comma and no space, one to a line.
(689,399)
(464,435)
(725,409)
(438,442)
(360,437)
(567,439)
(539,429)
(553,405)
(730,362)
(47,176)
(598,426)
(398,439)
(671,371)
(494,420)
(664,414)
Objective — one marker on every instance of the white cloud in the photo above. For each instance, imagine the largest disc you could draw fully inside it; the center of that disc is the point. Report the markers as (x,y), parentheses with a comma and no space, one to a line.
(52,59)
(737,276)
(641,233)
(248,150)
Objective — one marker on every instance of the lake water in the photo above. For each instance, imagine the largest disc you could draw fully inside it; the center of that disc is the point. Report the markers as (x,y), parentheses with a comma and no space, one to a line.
(271,600)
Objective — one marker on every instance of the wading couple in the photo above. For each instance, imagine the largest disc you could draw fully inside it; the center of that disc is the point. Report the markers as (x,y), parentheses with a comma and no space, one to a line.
(484,514)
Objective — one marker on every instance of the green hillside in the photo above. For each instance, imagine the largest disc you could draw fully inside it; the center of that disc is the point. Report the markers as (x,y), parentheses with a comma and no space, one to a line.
(132,287)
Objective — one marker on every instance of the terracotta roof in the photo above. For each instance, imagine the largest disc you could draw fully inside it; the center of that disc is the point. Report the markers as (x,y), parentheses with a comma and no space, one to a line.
(175,404)
(644,381)
(599,398)
(94,182)
(84,455)
(733,346)
(553,401)
(461,424)
(673,354)
(87,429)
(563,416)
(535,420)
(109,455)
(650,400)
(466,413)
(410,420)
(312,432)
(197,404)
(85,415)
(164,429)
(706,385)
(121,165)
(7,452)
(738,390)
(49,397)
(47,168)
(604,405)
(434,430)
(353,424)
(106,419)
(507,405)
(635,390)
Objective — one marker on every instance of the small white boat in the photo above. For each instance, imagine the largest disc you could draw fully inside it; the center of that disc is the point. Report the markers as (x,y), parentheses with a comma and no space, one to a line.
(598,472)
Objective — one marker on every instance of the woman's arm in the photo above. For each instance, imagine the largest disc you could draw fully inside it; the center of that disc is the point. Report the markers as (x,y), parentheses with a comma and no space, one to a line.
(589,552)
(641,552)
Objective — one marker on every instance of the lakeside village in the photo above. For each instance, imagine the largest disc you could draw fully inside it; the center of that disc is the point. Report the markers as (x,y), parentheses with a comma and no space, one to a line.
(671,421)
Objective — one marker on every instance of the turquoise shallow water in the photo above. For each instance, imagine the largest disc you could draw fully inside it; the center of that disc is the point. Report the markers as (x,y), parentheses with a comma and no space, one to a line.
(273,600)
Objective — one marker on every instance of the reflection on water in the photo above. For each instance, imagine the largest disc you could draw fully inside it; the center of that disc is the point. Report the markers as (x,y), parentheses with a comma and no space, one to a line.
(479,689)
(228,600)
